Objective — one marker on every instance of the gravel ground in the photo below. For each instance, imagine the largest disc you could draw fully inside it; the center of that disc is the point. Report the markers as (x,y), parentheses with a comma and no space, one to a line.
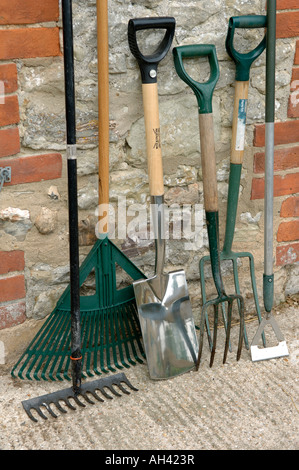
(237,406)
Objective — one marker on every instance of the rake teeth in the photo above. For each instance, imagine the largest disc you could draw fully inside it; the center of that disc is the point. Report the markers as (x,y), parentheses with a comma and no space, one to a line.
(43,402)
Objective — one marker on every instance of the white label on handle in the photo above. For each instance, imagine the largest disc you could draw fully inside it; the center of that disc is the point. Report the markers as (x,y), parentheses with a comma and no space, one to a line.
(240,137)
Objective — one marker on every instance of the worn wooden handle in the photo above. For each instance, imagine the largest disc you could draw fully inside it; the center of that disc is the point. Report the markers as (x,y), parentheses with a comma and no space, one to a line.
(208,161)
(103,105)
(239,122)
(153,140)
(103,100)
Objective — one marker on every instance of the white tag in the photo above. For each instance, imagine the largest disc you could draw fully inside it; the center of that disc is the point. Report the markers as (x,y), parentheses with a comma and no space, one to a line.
(240,137)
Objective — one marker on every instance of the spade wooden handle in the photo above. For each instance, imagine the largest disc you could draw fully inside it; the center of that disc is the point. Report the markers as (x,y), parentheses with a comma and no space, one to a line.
(153,140)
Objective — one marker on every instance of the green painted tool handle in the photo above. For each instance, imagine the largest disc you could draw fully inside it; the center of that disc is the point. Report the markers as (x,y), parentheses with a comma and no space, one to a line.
(203,91)
(232,205)
(243,61)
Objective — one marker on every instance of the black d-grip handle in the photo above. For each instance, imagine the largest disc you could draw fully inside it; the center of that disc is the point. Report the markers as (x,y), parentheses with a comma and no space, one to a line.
(149,63)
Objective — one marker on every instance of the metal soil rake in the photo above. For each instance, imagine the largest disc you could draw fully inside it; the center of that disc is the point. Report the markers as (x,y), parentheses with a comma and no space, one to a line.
(110,329)
(204,94)
(89,390)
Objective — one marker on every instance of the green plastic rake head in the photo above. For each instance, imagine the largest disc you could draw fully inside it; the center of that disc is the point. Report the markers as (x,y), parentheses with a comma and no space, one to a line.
(110,330)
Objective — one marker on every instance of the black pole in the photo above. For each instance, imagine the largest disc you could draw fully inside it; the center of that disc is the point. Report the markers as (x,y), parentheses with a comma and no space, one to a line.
(70,112)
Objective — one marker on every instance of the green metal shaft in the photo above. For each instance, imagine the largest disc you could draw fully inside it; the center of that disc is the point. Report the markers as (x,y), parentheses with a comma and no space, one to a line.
(232,204)
(212,220)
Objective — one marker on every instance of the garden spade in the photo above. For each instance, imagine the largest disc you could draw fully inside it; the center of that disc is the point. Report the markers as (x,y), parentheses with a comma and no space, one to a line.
(163,302)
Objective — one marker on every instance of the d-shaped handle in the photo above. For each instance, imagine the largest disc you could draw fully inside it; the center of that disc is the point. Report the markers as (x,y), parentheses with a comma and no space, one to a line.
(149,63)
(243,61)
(203,91)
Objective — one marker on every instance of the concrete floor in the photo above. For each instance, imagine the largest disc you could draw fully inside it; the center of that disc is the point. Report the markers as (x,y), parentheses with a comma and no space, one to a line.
(237,406)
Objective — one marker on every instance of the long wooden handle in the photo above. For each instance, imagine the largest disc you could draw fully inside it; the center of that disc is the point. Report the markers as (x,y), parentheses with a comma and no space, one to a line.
(208,162)
(153,140)
(103,107)
(103,100)
(239,122)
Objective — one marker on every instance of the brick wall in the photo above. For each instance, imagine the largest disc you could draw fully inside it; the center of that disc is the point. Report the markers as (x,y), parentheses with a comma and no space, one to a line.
(25,36)
(286,154)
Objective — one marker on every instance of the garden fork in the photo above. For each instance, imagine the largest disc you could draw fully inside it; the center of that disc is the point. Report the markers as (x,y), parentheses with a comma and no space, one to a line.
(204,95)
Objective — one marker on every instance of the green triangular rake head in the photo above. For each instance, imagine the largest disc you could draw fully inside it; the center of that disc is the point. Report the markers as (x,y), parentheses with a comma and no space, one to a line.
(110,329)
(271,352)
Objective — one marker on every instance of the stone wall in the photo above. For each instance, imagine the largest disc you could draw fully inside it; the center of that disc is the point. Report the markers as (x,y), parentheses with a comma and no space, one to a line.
(33,206)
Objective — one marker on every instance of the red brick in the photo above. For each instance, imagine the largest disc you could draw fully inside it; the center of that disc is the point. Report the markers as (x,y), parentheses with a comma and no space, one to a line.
(290,207)
(12,288)
(12,314)
(288,231)
(9,141)
(283,185)
(28,11)
(287,4)
(296,59)
(287,24)
(29,42)
(295,79)
(9,111)
(287,254)
(9,76)
(33,168)
(293,105)
(11,261)
(284,159)
(284,133)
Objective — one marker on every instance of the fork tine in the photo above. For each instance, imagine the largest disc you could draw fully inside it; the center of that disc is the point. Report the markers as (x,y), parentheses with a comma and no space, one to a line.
(201,335)
(229,324)
(242,327)
(237,289)
(214,334)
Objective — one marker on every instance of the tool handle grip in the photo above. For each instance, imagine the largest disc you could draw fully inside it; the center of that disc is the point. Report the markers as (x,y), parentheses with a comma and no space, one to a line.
(153,141)
(208,162)
(149,63)
(239,122)
(203,91)
(244,61)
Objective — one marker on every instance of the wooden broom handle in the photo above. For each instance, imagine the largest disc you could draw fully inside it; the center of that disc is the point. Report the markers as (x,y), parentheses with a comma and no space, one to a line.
(103,100)
(238,126)
(153,141)
(208,162)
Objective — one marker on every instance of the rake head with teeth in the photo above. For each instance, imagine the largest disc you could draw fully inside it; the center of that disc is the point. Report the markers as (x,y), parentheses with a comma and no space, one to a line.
(87,390)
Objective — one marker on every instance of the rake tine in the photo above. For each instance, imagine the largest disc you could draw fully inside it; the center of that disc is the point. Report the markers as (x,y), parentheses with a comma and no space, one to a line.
(60,408)
(96,396)
(114,391)
(75,397)
(86,397)
(41,414)
(68,403)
